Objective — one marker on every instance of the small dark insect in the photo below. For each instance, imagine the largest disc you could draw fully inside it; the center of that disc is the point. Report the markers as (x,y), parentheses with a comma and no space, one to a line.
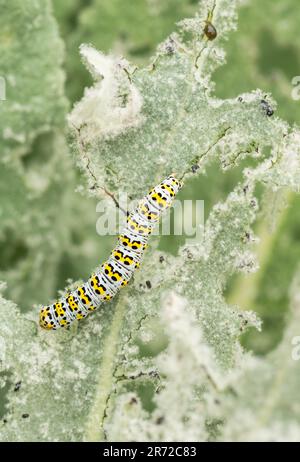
(161,259)
(25,416)
(148,284)
(17,386)
(210,31)
(266,108)
(195,168)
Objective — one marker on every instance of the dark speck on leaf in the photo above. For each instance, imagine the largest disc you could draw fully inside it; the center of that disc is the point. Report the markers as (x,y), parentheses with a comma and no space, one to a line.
(25,416)
(245,188)
(246,237)
(148,284)
(170,46)
(160,420)
(17,386)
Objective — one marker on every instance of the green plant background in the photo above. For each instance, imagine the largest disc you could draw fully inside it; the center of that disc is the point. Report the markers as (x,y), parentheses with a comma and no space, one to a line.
(40,202)
(263,53)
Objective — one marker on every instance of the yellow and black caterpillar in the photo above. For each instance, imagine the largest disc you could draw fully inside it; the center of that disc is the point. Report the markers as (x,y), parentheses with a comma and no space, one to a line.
(115,273)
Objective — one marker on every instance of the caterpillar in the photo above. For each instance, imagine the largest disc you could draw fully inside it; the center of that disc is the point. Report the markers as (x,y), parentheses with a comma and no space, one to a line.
(116,272)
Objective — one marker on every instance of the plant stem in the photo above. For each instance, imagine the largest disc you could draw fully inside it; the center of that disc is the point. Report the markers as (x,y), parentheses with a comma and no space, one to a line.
(94,428)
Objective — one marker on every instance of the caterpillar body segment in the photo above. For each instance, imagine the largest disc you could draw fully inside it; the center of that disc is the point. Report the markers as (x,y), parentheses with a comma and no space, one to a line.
(127,258)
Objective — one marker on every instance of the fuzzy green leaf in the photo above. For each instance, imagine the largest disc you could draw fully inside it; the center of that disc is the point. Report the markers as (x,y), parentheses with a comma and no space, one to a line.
(123,373)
